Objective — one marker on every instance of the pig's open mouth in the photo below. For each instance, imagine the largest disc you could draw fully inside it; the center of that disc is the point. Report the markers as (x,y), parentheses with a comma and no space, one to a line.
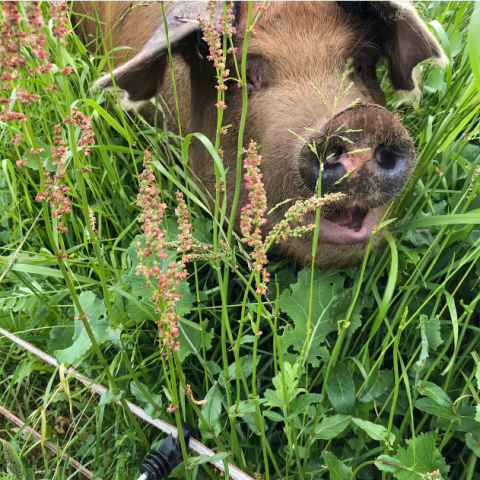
(353,225)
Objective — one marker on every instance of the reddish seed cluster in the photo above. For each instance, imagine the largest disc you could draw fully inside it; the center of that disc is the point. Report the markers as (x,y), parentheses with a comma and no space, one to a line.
(36,151)
(190,247)
(21,163)
(41,68)
(252,214)
(57,195)
(55,192)
(25,97)
(16,138)
(59,150)
(165,296)
(153,209)
(8,116)
(185,237)
(166,284)
(83,122)
(36,39)
(59,12)
(13,38)
(213,32)
(19,33)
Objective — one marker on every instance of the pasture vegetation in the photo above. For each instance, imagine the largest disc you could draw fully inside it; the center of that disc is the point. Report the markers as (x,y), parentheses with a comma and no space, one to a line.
(366,372)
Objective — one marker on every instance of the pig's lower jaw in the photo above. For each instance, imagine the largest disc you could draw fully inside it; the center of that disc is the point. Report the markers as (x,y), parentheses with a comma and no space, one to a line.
(353,226)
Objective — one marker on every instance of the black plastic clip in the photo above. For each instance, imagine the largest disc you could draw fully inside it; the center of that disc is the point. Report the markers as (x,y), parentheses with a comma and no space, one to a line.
(160,463)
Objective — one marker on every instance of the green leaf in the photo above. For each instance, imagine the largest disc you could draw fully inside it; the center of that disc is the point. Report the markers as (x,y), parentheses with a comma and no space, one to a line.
(115,336)
(252,424)
(453,315)
(274,416)
(431,339)
(429,405)
(152,410)
(107,117)
(110,397)
(247,339)
(384,463)
(202,230)
(436,393)
(60,339)
(246,366)
(338,470)
(464,422)
(471,440)
(425,459)
(377,432)
(377,383)
(341,389)
(454,219)
(436,82)
(477,375)
(13,462)
(331,427)
(211,412)
(460,125)
(303,401)
(432,333)
(328,288)
(94,309)
(477,416)
(244,406)
(291,374)
(49,272)
(191,339)
(207,458)
(272,399)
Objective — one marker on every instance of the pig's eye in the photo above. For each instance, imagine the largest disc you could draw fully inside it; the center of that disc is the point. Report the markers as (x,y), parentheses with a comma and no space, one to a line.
(250,85)
(254,81)
(364,66)
(360,70)
(259,73)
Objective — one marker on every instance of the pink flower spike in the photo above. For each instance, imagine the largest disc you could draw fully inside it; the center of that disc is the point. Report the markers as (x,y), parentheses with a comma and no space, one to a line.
(251,215)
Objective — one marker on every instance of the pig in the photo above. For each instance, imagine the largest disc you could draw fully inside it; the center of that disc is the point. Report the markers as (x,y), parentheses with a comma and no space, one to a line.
(297,45)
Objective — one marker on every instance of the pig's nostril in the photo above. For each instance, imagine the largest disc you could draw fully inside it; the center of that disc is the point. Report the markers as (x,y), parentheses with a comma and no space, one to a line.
(332,155)
(388,158)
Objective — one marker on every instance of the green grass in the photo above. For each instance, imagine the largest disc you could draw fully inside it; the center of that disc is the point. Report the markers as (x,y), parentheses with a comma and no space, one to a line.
(386,386)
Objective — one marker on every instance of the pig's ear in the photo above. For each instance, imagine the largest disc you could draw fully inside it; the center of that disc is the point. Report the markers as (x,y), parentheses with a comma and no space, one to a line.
(406,40)
(142,76)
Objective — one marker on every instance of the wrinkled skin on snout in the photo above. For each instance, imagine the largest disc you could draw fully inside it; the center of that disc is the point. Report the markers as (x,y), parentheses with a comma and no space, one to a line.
(297,45)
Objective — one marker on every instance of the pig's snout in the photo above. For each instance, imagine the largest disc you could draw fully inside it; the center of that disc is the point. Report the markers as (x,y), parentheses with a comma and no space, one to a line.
(363,151)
